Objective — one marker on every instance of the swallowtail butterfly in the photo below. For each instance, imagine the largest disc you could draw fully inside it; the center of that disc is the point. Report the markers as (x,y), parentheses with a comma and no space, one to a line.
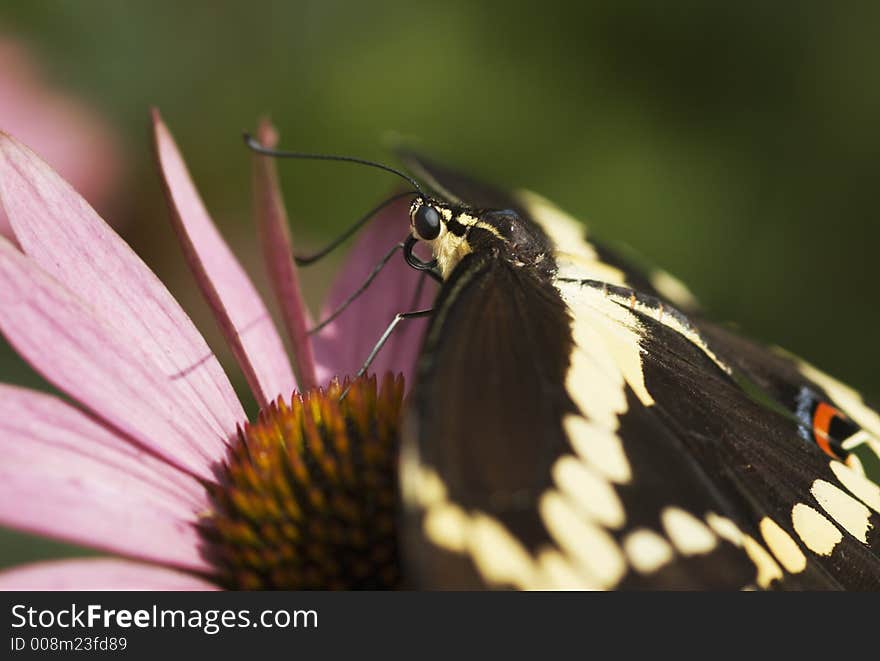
(576,423)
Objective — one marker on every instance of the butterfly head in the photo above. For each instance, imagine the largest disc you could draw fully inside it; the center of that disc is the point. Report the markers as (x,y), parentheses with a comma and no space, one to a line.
(447,230)
(452,232)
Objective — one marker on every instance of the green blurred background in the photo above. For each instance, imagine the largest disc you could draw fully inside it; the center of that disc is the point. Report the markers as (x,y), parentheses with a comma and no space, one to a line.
(736,144)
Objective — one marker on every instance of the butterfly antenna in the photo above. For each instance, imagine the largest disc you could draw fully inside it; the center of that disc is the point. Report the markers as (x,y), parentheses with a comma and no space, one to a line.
(305,260)
(255,145)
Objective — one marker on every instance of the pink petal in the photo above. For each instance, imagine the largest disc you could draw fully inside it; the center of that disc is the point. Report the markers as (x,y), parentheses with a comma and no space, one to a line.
(65,236)
(65,340)
(97,574)
(275,237)
(67,477)
(240,311)
(53,428)
(346,342)
(61,127)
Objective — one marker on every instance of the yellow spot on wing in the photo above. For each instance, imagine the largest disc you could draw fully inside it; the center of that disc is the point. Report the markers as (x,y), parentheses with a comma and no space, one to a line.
(599,397)
(816,532)
(855,464)
(498,555)
(691,334)
(688,534)
(499,558)
(860,486)
(566,232)
(725,528)
(575,266)
(768,570)
(594,381)
(446,526)
(590,492)
(601,448)
(575,255)
(851,514)
(647,551)
(782,546)
(558,573)
(588,544)
(423,486)
(615,332)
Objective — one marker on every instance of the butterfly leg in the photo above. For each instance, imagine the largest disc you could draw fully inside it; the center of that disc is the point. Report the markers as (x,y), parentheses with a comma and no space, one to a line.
(401,316)
(360,290)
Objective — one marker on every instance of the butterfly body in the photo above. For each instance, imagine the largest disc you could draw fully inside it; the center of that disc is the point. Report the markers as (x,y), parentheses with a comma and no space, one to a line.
(575,424)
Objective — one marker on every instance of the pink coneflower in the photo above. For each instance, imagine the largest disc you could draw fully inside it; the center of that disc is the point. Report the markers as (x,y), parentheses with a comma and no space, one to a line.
(153,461)
(70,134)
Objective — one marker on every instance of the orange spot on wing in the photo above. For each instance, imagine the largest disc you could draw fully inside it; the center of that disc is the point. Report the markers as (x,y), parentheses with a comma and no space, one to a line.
(822,418)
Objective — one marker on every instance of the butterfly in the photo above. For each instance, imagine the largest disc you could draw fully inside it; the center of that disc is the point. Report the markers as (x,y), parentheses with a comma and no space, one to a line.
(576,423)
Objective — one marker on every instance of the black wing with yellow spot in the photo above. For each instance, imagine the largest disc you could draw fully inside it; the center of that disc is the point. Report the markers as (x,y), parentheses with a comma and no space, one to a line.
(581,431)
(500,411)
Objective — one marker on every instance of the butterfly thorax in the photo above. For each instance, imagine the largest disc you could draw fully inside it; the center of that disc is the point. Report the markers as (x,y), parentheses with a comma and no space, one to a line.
(462,230)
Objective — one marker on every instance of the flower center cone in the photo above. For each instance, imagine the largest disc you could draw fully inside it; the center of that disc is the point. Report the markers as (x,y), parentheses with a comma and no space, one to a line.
(306,498)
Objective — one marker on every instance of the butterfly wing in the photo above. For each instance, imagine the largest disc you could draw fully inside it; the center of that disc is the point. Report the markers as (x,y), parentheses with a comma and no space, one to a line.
(815,515)
(484,416)
(590,435)
(508,485)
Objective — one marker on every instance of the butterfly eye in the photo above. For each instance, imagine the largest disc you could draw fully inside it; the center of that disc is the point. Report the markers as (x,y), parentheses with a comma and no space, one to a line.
(427,222)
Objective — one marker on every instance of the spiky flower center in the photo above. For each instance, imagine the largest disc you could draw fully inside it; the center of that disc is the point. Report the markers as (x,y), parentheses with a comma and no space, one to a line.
(306,498)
